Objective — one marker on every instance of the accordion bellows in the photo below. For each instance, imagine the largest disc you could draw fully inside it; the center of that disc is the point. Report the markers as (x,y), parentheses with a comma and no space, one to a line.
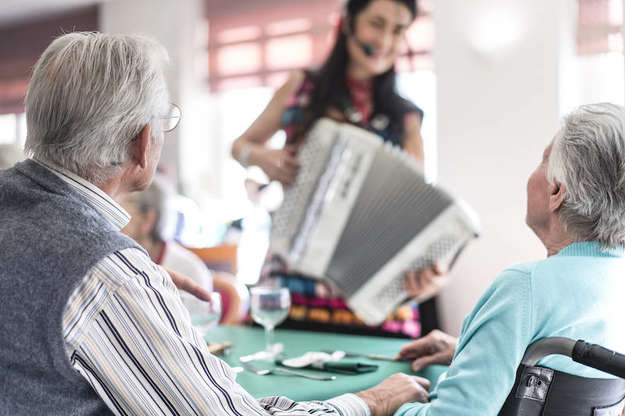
(360,214)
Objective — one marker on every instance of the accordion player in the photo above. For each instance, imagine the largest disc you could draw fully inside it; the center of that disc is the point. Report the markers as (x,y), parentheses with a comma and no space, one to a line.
(360,215)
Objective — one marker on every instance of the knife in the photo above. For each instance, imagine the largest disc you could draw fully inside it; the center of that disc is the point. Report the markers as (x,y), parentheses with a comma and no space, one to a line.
(363,355)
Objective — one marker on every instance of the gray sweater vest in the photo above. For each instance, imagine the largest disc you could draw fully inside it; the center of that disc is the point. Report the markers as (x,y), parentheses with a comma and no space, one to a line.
(50,237)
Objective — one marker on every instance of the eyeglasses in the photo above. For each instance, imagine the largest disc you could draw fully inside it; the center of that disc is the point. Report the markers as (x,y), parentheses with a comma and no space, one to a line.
(171,120)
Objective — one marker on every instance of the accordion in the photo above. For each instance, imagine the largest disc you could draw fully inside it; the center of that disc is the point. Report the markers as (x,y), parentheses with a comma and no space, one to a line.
(360,215)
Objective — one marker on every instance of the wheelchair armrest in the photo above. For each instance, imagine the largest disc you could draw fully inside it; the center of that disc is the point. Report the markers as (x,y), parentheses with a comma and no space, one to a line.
(592,355)
(600,358)
(537,350)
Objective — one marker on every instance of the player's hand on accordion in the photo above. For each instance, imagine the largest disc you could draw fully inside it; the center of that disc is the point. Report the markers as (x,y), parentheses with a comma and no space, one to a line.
(278,164)
(425,283)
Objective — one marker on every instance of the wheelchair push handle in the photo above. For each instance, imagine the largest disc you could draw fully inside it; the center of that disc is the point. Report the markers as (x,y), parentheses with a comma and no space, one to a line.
(599,357)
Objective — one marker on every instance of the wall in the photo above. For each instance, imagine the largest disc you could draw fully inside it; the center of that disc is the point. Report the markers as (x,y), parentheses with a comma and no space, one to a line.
(498,107)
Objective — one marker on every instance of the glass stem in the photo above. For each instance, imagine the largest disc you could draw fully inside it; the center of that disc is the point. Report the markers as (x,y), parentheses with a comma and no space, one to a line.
(269,338)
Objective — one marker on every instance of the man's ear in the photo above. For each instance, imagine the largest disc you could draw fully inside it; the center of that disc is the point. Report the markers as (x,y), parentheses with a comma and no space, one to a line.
(140,147)
(556,196)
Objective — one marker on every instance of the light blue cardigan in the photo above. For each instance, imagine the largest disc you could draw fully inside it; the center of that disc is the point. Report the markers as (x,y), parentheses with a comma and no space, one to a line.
(578,293)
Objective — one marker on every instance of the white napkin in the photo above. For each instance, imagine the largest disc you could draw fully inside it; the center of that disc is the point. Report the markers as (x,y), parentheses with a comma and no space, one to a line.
(314,359)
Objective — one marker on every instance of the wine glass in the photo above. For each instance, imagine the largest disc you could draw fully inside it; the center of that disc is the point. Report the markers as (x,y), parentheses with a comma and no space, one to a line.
(204,314)
(269,307)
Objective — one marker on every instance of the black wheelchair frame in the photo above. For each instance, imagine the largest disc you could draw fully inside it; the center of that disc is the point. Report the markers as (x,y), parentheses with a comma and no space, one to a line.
(543,391)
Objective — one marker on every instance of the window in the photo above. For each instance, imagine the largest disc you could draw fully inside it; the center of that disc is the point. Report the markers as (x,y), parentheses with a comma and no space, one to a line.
(597,71)
(257,46)
(599,26)
(13,129)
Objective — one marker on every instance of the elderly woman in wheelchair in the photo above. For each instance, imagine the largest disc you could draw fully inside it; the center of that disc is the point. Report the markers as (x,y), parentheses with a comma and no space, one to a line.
(576,207)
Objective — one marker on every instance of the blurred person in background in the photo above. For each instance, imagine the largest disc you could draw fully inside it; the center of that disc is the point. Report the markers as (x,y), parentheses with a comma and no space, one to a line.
(357,85)
(153,225)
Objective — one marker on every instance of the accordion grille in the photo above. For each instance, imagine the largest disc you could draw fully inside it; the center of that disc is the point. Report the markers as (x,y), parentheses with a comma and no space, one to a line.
(394,289)
(393,206)
(312,156)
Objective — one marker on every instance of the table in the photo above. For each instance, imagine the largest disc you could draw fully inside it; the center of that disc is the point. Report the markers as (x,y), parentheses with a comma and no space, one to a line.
(247,340)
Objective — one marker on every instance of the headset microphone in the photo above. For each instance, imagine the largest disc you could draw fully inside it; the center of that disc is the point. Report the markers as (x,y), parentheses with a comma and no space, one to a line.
(366,48)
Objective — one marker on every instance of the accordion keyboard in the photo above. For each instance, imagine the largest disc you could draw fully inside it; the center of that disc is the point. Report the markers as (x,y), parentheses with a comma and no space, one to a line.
(312,156)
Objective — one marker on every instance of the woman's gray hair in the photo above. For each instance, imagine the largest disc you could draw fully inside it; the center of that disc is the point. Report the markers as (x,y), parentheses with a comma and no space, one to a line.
(588,157)
(89,97)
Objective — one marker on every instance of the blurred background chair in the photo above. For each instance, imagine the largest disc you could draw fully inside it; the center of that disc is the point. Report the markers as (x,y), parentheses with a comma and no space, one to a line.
(222,257)
(235,298)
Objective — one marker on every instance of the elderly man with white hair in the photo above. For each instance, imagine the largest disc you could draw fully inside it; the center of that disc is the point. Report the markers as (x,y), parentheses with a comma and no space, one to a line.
(576,207)
(89,324)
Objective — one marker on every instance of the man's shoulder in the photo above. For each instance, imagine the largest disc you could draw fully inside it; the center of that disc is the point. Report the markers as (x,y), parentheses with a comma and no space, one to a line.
(118,267)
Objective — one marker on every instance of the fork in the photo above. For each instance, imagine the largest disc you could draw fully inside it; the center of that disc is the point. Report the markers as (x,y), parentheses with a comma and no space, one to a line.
(262,372)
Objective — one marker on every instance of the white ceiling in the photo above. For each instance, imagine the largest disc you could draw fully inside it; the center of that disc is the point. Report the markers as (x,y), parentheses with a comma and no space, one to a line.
(14,11)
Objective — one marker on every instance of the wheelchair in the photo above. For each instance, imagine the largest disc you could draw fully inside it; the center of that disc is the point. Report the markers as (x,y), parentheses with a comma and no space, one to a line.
(543,391)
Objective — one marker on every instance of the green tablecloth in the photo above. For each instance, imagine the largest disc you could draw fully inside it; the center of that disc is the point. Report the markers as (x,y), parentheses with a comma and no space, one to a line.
(247,340)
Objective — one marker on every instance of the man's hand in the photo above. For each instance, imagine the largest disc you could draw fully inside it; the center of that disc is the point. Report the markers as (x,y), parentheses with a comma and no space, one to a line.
(386,397)
(425,283)
(436,347)
(188,285)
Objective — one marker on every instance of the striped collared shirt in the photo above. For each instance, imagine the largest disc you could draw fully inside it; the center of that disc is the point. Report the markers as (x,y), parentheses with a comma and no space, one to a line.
(128,334)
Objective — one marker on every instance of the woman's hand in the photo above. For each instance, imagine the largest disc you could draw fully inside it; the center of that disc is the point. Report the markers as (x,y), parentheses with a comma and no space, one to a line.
(436,347)
(279,164)
(425,283)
